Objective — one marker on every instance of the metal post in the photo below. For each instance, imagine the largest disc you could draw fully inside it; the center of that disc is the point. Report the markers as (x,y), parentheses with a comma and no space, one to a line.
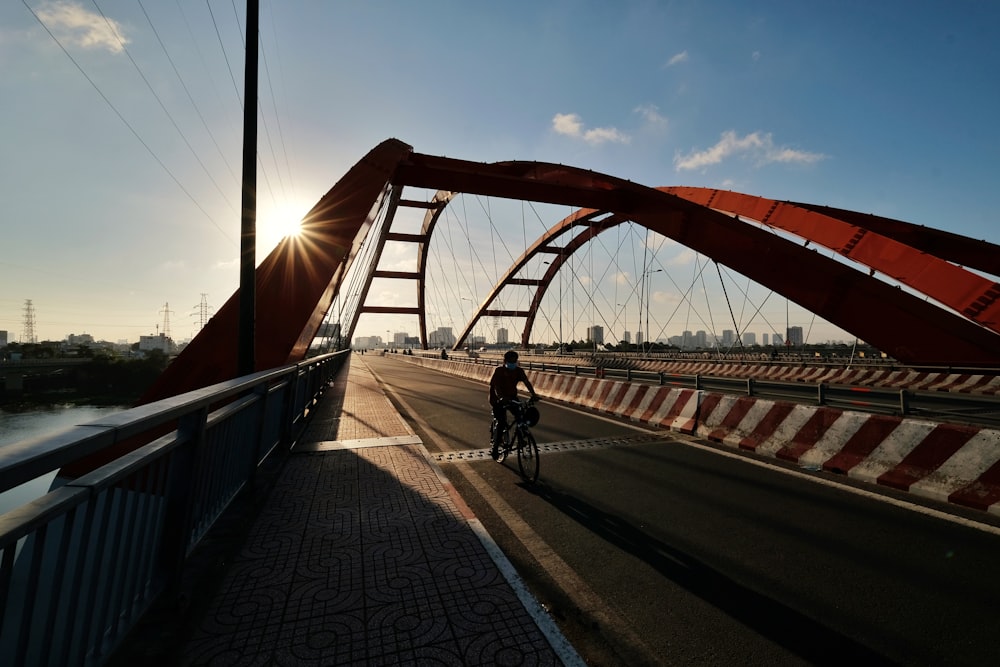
(248,228)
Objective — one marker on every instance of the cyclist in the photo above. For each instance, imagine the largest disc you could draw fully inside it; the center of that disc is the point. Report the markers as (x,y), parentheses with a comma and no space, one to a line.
(503,388)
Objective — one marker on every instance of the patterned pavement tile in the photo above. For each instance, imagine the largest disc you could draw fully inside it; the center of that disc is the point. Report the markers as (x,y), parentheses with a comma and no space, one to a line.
(360,557)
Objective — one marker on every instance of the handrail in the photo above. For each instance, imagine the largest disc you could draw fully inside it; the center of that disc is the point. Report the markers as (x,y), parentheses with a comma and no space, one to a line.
(81,564)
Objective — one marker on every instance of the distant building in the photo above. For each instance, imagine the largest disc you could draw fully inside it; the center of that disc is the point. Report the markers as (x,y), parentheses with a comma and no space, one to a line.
(627,336)
(765,339)
(700,340)
(502,338)
(749,338)
(441,337)
(82,339)
(776,339)
(3,339)
(794,336)
(728,338)
(158,342)
(367,342)
(399,339)
(595,334)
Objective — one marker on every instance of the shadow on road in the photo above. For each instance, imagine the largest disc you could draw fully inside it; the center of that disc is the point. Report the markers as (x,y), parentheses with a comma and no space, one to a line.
(786,627)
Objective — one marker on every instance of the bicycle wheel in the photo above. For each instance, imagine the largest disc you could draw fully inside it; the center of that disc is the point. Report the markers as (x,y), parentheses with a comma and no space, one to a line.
(527,456)
(501,450)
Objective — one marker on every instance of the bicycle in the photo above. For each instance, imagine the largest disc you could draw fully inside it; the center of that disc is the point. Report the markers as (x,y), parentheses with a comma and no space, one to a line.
(525,416)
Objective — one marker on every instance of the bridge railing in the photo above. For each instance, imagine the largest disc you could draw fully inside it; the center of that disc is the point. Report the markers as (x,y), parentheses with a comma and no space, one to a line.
(81,564)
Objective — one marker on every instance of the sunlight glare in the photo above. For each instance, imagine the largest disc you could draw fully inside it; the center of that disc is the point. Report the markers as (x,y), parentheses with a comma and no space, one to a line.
(279,221)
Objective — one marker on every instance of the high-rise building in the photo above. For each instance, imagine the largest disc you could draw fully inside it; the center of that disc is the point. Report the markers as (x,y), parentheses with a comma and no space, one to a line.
(502,338)
(776,339)
(795,336)
(441,337)
(367,342)
(595,334)
(627,336)
(749,338)
(3,339)
(765,339)
(728,338)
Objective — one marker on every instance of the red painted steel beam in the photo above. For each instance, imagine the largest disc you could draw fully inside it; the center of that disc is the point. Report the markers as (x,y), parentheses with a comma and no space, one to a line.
(900,324)
(436,207)
(295,283)
(962,250)
(961,290)
(391,310)
(403,275)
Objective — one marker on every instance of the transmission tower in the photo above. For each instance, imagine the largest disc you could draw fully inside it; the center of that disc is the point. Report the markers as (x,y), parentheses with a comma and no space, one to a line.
(28,333)
(203,311)
(166,320)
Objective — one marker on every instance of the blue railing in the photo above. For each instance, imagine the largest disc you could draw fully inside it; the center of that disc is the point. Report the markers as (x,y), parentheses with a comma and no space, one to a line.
(81,564)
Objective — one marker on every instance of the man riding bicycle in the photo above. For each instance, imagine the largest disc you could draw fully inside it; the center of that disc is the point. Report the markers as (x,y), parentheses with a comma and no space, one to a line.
(503,389)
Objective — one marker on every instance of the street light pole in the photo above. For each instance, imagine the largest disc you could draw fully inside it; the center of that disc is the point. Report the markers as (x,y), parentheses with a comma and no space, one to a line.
(648,282)
(560,350)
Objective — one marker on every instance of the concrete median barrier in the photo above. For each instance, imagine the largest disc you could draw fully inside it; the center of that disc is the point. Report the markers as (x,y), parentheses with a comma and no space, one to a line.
(951,463)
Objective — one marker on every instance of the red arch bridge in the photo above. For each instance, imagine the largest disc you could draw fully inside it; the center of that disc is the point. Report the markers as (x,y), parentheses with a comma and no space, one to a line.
(542,250)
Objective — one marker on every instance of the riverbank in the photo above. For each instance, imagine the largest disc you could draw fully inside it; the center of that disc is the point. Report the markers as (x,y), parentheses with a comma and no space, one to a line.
(100,382)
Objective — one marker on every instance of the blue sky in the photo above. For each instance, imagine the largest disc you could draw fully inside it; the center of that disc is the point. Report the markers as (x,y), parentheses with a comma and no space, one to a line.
(121,121)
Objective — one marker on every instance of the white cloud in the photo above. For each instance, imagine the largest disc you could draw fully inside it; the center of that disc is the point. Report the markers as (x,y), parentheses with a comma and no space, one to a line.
(651,114)
(677,58)
(571,125)
(567,123)
(755,56)
(73,24)
(685,257)
(757,146)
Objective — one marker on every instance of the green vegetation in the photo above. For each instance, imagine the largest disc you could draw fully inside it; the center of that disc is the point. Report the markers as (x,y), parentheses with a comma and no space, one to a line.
(85,378)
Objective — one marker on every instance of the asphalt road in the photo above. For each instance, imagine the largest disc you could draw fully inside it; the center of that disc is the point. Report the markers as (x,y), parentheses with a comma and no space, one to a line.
(649,548)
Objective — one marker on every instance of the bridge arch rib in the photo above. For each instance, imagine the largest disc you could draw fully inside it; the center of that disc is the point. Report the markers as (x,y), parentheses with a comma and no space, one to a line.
(901,324)
(297,281)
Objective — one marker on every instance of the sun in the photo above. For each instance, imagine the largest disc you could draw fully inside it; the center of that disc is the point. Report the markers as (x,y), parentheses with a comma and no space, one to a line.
(276,221)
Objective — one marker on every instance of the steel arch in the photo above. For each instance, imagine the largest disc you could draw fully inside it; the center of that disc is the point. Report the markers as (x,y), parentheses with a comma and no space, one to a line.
(296,282)
(897,322)
(843,232)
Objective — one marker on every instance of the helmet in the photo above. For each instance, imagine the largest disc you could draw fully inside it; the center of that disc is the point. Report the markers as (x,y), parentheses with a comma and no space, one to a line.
(531,415)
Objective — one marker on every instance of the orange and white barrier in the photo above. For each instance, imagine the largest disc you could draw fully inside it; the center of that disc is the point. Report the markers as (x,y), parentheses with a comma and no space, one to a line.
(946,462)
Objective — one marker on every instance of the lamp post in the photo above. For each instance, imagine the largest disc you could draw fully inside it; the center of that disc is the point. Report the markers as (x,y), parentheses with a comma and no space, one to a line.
(647,280)
(471,343)
(624,307)
(560,351)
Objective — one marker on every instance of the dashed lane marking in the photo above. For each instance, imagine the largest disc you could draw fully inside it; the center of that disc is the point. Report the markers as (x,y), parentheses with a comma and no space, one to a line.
(472,455)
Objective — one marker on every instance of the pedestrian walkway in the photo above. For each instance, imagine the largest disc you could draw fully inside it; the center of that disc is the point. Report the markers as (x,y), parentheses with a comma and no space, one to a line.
(363,555)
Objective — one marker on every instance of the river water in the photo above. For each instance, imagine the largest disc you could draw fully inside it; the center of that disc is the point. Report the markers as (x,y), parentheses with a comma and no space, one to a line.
(17,427)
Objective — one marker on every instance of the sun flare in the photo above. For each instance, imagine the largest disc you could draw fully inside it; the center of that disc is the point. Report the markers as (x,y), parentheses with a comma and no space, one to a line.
(279,221)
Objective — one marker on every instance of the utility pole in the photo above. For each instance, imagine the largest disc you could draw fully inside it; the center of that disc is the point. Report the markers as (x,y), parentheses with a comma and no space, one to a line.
(248,228)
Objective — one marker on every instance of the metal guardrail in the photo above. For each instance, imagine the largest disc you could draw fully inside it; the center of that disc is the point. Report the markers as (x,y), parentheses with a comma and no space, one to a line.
(80,565)
(949,407)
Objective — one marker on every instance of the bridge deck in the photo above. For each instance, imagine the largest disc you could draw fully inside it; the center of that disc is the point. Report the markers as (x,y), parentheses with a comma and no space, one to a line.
(363,554)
